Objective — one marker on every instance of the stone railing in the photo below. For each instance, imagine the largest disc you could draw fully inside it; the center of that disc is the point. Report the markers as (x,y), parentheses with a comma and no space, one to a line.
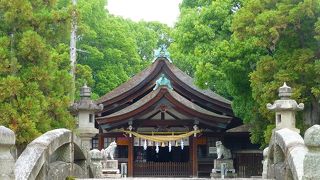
(289,156)
(56,154)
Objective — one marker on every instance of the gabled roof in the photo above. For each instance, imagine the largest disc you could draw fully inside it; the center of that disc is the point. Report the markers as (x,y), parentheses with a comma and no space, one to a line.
(143,76)
(145,104)
(136,98)
(182,83)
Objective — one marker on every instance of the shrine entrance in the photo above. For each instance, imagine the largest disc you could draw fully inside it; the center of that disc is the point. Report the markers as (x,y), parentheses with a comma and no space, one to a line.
(150,155)
(149,163)
(165,126)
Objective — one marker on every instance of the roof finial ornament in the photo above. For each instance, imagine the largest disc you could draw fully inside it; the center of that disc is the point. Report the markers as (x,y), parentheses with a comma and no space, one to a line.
(163,81)
(162,52)
(285,91)
(85,91)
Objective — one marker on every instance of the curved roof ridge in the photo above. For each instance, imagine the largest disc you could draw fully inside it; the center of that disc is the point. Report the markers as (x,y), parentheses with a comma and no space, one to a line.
(153,94)
(194,106)
(184,77)
(133,106)
(140,77)
(128,85)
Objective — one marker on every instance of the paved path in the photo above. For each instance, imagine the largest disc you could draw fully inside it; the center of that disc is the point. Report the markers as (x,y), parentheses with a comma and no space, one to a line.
(154,178)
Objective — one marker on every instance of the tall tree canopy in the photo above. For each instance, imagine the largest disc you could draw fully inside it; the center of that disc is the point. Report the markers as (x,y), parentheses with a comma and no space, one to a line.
(245,50)
(287,30)
(35,83)
(34,69)
(114,48)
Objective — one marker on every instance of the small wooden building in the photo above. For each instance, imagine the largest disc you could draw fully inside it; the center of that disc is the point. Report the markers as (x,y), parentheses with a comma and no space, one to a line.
(162,100)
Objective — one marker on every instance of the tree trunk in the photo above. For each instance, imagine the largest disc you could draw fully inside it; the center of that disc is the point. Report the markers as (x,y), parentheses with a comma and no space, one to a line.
(312,112)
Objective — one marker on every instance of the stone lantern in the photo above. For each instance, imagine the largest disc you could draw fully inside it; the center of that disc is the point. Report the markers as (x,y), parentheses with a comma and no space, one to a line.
(285,109)
(85,111)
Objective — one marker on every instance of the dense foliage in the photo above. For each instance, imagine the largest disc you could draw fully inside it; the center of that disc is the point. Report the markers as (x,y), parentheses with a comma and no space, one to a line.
(34,71)
(36,86)
(246,49)
(114,48)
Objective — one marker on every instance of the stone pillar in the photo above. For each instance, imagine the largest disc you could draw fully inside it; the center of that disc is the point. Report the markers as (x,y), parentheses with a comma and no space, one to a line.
(7,161)
(265,163)
(285,109)
(311,163)
(85,111)
(96,166)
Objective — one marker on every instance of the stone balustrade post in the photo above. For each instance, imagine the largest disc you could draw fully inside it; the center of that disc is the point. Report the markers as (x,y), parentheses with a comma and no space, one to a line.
(95,164)
(311,163)
(7,161)
(265,163)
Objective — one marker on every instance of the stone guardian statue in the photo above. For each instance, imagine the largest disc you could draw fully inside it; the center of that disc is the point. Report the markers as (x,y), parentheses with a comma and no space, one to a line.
(109,151)
(222,151)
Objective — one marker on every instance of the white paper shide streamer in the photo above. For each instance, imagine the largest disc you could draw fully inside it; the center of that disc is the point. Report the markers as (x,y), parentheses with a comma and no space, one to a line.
(145,146)
(157,147)
(182,145)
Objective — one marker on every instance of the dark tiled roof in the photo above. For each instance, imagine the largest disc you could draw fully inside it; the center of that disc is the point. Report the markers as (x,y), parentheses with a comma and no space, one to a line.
(241,128)
(140,77)
(190,82)
(153,94)
(130,84)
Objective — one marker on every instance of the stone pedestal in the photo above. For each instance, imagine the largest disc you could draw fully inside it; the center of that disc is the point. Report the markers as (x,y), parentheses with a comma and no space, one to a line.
(110,169)
(7,161)
(95,164)
(311,163)
(216,171)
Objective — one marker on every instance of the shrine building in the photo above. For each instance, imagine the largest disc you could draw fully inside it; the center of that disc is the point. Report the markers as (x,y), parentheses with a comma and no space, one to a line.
(165,126)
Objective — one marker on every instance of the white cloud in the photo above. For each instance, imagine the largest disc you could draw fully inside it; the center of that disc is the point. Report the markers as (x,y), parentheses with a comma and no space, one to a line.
(165,11)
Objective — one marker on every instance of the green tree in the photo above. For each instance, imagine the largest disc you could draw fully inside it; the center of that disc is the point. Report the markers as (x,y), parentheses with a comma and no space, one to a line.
(287,31)
(35,82)
(245,50)
(115,48)
(204,47)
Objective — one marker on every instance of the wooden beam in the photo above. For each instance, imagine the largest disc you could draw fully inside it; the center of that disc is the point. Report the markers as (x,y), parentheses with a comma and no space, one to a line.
(174,116)
(101,141)
(130,157)
(154,123)
(152,115)
(190,156)
(194,157)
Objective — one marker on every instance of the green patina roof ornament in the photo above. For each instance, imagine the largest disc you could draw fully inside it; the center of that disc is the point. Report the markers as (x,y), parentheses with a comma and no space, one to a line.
(162,52)
(163,81)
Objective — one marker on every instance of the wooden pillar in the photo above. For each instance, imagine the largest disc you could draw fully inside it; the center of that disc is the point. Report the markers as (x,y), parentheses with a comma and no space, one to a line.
(130,157)
(194,156)
(101,141)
